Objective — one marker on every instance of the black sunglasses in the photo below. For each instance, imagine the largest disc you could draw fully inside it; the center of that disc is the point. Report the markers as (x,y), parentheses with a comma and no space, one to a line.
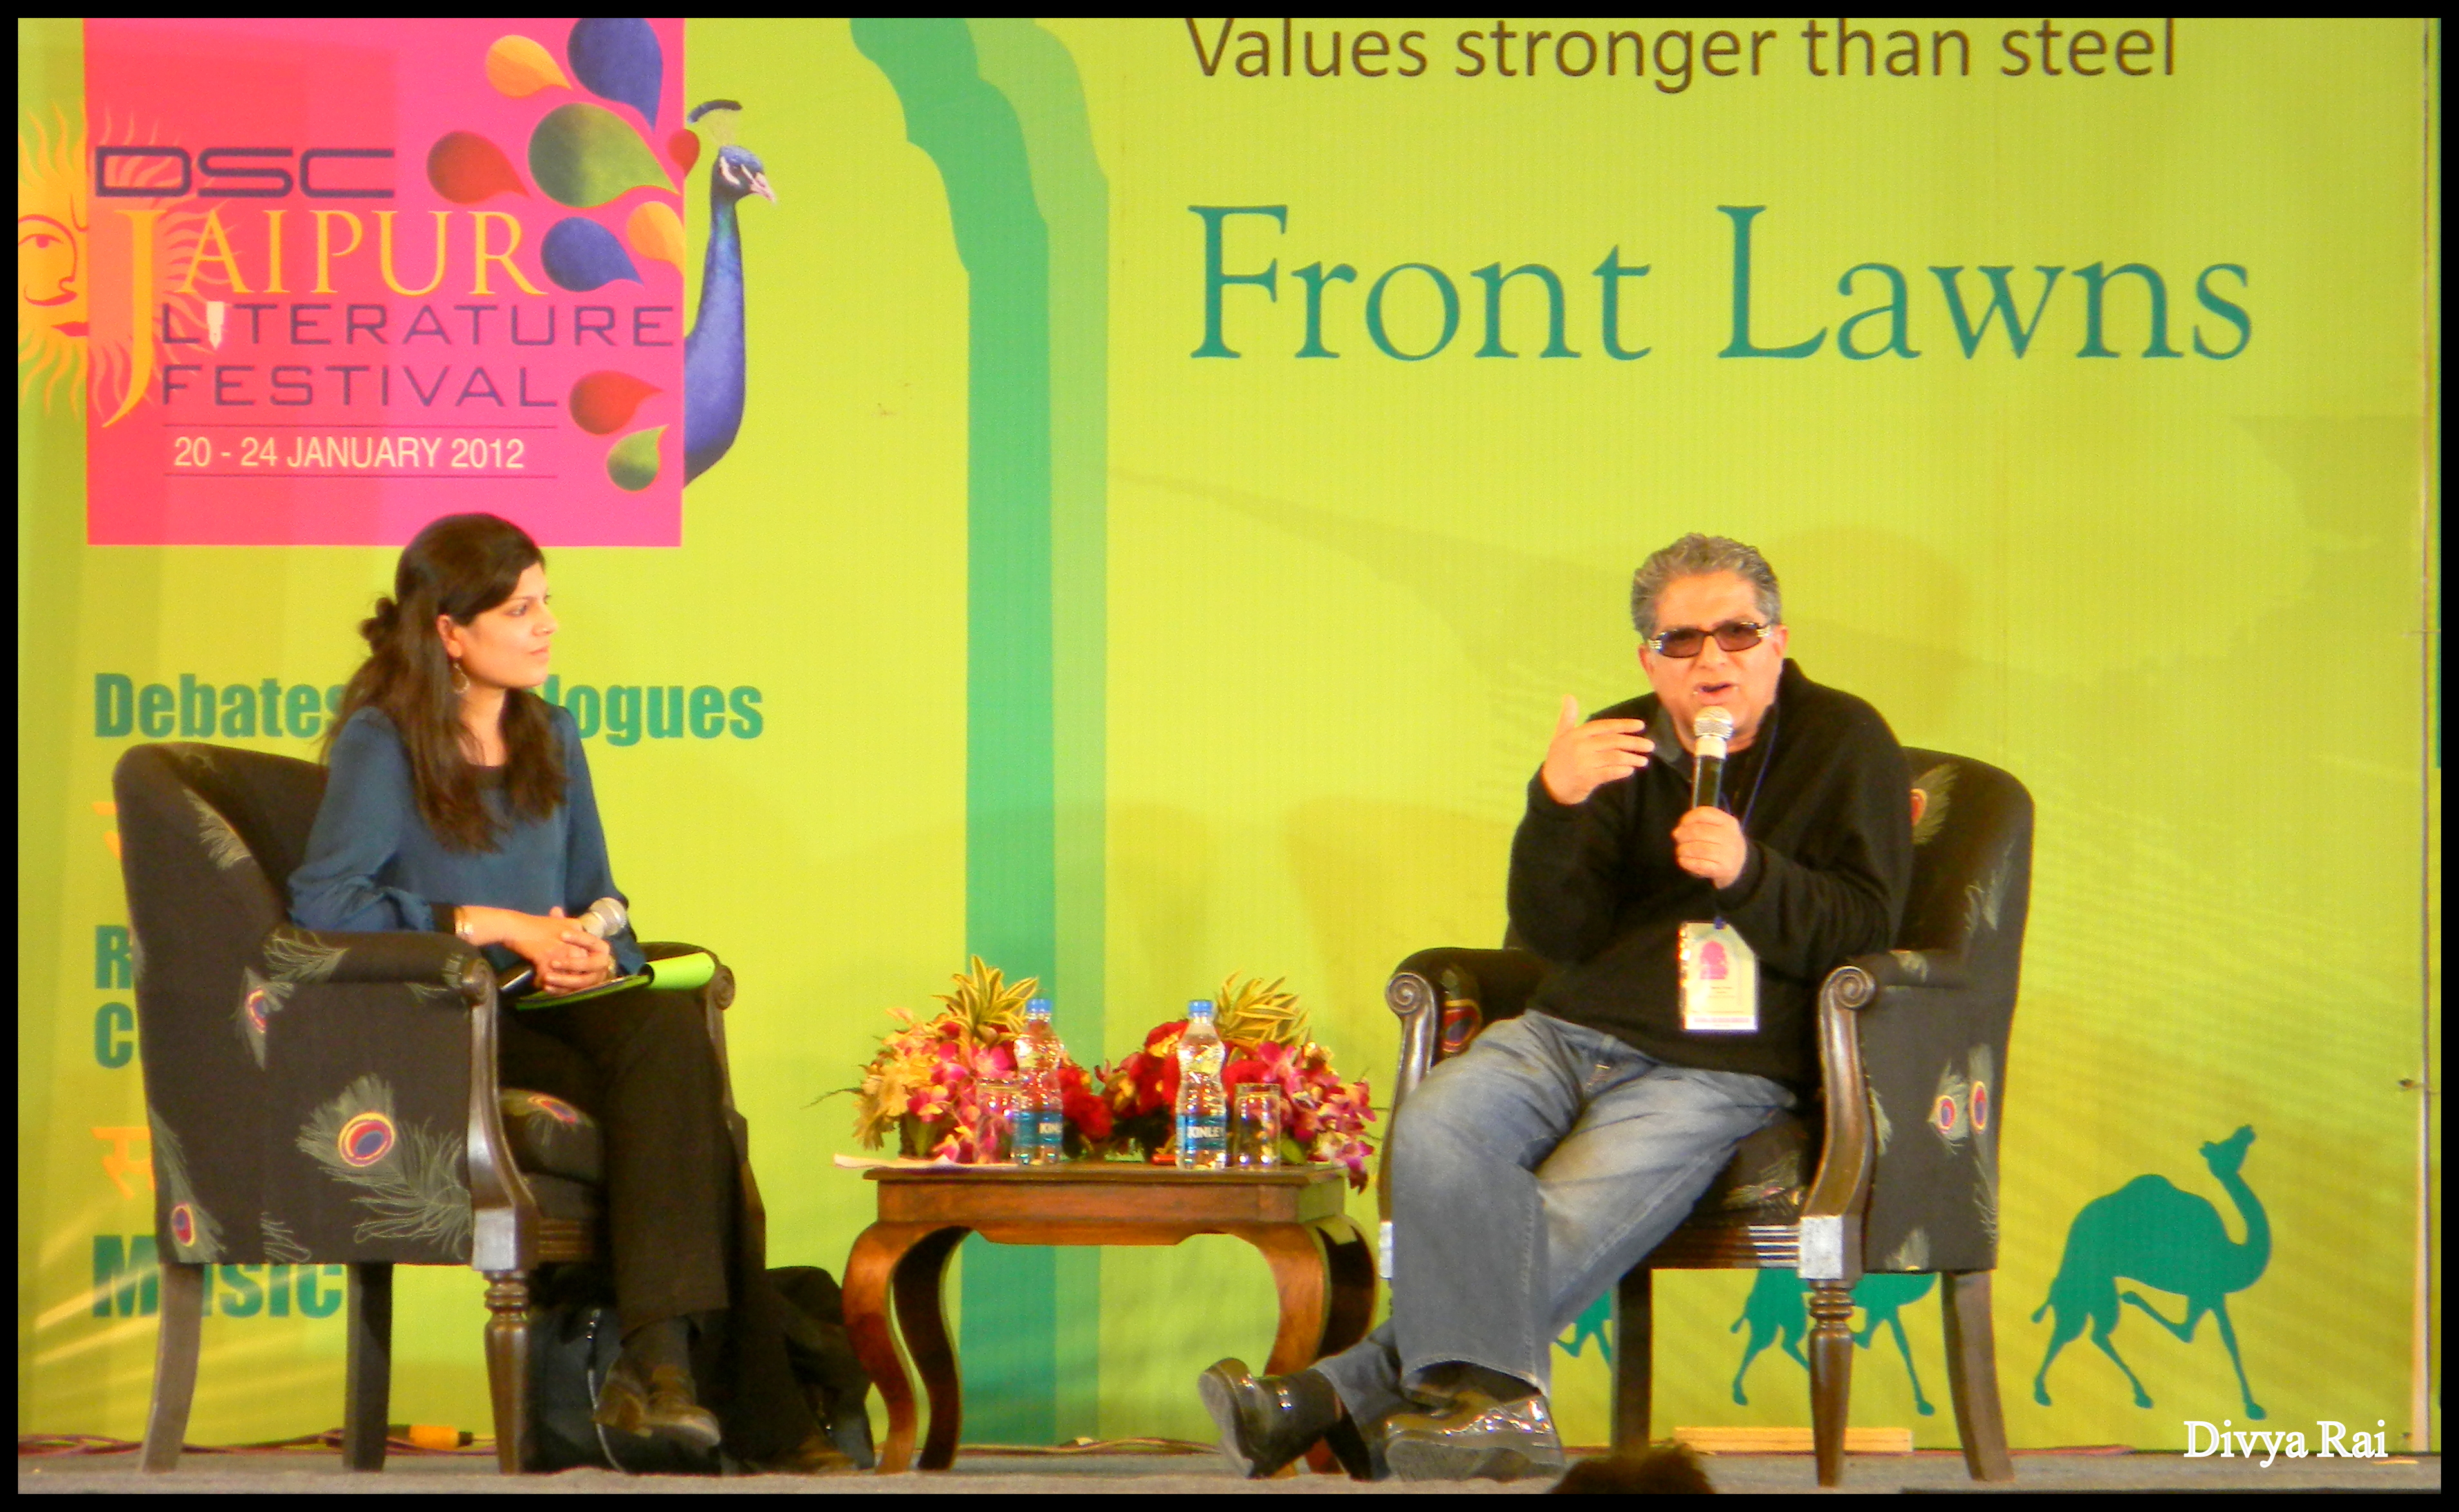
(1734,634)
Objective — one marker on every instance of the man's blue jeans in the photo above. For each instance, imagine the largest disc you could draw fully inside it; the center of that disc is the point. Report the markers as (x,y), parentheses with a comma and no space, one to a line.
(1529,1173)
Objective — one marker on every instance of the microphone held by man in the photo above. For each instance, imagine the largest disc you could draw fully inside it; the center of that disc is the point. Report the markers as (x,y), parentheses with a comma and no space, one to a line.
(1709,731)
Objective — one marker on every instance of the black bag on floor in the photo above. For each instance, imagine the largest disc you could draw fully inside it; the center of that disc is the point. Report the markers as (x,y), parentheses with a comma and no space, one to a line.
(823,1359)
(575,1340)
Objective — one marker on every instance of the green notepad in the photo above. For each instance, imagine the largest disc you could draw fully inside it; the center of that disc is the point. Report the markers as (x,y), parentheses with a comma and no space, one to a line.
(683,972)
(680,973)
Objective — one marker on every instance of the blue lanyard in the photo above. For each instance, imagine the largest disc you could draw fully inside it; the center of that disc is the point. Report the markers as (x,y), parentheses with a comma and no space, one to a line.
(1767,758)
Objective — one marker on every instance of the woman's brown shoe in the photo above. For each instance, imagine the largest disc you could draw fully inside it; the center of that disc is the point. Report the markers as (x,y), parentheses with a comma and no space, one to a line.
(622,1403)
(674,1412)
(813,1456)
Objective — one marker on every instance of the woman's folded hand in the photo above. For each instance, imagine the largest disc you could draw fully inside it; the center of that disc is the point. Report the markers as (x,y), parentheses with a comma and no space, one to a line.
(566,958)
(586,961)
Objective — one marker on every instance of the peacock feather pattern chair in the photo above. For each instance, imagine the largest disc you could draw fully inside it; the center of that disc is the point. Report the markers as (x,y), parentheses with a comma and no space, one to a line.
(317,1098)
(1893,1168)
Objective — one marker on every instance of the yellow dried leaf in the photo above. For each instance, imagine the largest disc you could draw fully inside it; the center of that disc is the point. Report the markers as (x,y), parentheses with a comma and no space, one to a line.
(1256,1013)
(989,1010)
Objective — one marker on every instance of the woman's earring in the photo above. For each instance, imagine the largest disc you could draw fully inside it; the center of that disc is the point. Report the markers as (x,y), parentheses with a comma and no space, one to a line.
(460,680)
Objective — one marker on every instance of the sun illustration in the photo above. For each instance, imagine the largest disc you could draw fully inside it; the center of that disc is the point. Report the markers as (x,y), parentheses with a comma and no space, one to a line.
(62,349)
(51,263)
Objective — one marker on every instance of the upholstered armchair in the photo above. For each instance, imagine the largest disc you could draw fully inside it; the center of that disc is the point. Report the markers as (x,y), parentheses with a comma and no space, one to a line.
(331,1097)
(1893,1168)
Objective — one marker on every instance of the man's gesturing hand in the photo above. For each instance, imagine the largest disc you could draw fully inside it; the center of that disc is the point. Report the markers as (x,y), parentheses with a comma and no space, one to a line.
(1585,757)
(1708,843)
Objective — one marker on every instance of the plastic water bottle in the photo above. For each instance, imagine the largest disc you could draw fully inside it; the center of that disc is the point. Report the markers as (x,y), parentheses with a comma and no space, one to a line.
(1202,1106)
(1041,1113)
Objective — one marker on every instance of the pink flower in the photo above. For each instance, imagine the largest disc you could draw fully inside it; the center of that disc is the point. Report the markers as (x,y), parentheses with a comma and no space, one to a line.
(1353,1154)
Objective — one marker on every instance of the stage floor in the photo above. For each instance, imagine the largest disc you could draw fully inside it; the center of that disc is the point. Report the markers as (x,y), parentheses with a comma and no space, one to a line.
(1145,1474)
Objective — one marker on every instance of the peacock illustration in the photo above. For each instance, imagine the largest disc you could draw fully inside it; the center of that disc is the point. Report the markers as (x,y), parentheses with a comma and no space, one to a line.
(408,1179)
(2150,1231)
(260,999)
(713,354)
(194,1232)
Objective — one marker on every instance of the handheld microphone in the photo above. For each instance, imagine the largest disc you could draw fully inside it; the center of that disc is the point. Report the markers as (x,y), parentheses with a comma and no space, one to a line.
(606,916)
(1709,729)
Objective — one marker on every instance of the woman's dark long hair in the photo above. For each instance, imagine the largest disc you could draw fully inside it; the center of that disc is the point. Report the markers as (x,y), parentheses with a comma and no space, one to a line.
(461,565)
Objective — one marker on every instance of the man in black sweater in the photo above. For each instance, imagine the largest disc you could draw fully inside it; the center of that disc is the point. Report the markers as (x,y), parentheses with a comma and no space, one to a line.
(1687,944)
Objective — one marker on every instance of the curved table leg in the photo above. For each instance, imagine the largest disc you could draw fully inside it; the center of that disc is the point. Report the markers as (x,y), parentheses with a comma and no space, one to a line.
(1351,1308)
(1351,1257)
(922,1317)
(1325,1275)
(1295,1254)
(1348,1309)
(1300,1272)
(880,1259)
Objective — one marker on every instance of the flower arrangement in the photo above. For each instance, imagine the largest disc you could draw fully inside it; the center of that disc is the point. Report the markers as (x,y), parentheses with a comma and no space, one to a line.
(924,1081)
(1264,1033)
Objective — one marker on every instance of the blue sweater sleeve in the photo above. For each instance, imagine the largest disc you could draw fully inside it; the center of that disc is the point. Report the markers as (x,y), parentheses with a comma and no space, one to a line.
(368,803)
(588,875)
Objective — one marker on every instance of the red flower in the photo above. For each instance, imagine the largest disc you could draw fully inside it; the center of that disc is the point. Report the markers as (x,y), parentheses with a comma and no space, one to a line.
(1323,1116)
(1082,1106)
(1145,1081)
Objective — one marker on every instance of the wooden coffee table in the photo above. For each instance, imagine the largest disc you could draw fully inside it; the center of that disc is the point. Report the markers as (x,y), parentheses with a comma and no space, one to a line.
(1321,1264)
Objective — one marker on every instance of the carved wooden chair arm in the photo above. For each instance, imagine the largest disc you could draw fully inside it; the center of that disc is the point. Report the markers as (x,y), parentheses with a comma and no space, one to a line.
(1499,981)
(1934,985)
(1893,970)
(413,958)
(1831,1209)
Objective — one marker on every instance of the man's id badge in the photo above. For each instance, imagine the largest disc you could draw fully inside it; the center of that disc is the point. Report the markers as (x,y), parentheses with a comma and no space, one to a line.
(1720,980)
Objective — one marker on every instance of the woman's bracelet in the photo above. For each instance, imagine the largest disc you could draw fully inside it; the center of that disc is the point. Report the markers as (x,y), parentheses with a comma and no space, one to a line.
(461,925)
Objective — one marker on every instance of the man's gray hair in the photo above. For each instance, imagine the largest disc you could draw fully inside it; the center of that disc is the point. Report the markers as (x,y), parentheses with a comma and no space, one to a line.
(1696,555)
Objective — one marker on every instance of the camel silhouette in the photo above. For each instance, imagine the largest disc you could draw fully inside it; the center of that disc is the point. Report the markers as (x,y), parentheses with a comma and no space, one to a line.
(1776,1315)
(2150,1231)
(1592,1325)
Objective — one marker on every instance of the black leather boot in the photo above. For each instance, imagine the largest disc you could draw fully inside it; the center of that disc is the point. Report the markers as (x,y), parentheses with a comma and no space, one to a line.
(1267,1421)
(1359,1450)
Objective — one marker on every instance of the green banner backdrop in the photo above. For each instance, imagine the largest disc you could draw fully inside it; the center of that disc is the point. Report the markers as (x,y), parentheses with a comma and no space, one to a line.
(1183,465)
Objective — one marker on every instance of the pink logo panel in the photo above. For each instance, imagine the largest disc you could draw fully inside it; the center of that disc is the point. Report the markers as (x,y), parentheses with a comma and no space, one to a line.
(348,275)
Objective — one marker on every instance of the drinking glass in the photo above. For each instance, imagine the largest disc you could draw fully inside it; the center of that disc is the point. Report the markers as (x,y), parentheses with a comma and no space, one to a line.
(996,1101)
(1255,1129)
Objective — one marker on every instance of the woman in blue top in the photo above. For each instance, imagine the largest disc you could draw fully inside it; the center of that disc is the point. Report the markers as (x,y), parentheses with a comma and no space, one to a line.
(461,800)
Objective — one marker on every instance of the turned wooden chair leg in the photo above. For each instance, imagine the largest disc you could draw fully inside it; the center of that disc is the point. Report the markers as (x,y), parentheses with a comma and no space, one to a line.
(1972,1375)
(1634,1358)
(368,1370)
(179,1328)
(1830,1304)
(508,1366)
